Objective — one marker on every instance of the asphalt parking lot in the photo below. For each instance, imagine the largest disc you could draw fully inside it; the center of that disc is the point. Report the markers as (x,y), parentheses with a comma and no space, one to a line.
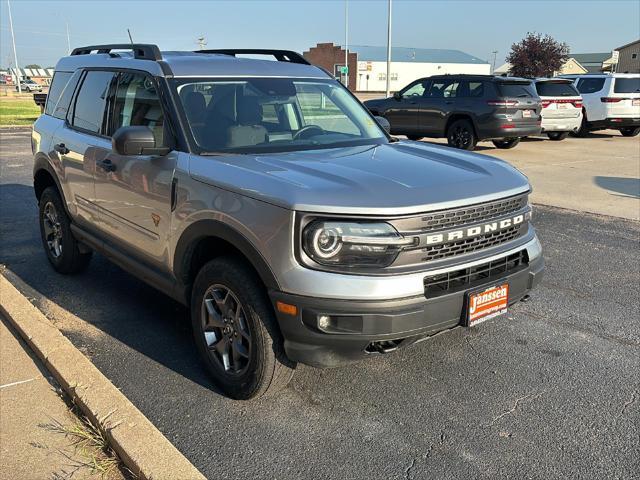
(550,391)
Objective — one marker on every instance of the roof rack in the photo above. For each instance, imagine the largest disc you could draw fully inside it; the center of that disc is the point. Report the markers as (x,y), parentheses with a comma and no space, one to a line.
(142,51)
(280,55)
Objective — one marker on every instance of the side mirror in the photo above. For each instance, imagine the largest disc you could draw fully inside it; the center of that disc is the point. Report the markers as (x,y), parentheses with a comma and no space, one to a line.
(136,140)
(397,95)
(384,123)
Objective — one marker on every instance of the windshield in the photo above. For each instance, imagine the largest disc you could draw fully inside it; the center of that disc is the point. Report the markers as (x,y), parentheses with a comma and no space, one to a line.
(274,114)
(556,89)
(516,89)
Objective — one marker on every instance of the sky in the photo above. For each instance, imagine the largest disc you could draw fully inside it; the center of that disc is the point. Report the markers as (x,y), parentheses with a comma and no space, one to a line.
(473,26)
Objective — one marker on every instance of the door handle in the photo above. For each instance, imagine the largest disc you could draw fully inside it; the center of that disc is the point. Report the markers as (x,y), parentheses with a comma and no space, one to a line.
(106,165)
(449,102)
(61,148)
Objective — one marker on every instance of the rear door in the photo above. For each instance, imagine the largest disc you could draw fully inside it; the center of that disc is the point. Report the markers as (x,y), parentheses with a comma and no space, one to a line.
(404,112)
(624,100)
(519,102)
(437,105)
(133,192)
(82,142)
(592,89)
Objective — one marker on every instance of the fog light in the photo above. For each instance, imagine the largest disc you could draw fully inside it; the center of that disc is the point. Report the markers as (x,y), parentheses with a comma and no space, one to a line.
(324,321)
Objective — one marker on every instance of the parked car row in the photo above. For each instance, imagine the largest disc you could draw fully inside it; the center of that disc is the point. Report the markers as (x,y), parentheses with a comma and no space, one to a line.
(466,109)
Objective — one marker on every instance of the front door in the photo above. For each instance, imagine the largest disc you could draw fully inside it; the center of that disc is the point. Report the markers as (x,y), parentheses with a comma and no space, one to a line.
(405,109)
(437,105)
(133,192)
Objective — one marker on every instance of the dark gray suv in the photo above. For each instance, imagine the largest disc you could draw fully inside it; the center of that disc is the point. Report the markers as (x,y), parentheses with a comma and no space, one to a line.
(465,109)
(263,196)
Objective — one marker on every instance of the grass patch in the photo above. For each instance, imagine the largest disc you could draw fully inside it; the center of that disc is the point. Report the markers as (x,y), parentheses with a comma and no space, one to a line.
(18,111)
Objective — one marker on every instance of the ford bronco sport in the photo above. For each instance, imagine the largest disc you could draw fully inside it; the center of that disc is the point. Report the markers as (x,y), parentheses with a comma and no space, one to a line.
(263,195)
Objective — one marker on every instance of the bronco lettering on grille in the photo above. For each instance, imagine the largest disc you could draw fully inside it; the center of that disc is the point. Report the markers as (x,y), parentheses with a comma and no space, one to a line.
(474,231)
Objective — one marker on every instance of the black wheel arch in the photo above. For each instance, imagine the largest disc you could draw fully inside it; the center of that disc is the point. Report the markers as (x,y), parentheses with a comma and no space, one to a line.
(45,176)
(207,239)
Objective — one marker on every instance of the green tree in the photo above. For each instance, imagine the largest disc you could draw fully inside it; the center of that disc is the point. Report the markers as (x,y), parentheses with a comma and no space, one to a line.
(537,56)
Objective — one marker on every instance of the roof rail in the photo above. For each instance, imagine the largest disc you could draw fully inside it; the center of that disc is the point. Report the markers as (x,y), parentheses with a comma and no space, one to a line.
(142,51)
(280,55)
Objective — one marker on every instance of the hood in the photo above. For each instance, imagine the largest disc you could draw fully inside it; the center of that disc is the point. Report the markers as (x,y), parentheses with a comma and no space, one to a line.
(390,179)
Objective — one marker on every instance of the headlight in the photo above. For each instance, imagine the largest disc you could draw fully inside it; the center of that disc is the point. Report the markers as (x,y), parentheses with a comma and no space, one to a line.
(353,244)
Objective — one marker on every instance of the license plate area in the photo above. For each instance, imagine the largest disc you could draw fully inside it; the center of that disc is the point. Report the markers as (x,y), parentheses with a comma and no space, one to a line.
(486,303)
(527,113)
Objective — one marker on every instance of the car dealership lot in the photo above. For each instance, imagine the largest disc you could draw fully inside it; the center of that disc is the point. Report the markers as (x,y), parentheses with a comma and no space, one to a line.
(551,390)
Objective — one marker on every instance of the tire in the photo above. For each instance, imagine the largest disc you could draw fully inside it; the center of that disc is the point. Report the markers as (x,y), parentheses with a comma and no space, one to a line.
(414,137)
(255,363)
(630,131)
(557,136)
(62,249)
(583,131)
(461,134)
(506,143)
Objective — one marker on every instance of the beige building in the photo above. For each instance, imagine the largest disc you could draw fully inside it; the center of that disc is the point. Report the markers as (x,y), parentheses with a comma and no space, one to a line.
(629,58)
(569,67)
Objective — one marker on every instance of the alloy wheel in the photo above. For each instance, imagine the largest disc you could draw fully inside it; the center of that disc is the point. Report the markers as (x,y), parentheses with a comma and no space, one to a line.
(226,330)
(52,230)
(460,137)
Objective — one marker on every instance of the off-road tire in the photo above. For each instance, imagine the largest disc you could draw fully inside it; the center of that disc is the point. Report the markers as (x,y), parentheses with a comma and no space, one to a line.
(268,370)
(74,257)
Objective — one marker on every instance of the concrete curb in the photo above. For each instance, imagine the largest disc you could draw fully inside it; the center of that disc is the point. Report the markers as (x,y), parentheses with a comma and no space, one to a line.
(140,445)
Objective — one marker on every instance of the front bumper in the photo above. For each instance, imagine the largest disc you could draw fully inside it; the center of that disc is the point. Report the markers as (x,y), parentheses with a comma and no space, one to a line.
(362,328)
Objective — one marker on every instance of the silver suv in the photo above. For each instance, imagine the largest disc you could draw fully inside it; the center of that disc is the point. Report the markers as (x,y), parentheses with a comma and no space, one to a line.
(266,198)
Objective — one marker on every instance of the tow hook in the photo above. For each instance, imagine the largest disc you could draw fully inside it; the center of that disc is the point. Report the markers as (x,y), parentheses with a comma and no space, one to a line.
(526,298)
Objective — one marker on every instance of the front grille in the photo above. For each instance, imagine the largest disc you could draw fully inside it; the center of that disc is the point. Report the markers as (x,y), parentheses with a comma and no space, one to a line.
(470,245)
(454,217)
(468,277)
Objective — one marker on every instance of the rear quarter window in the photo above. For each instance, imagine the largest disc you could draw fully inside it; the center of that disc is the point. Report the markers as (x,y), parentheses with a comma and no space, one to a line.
(60,109)
(516,89)
(626,85)
(60,80)
(590,85)
(556,89)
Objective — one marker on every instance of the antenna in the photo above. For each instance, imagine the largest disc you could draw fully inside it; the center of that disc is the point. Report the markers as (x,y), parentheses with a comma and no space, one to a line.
(130,39)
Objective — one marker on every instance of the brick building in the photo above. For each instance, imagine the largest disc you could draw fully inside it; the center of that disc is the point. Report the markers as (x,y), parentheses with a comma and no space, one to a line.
(331,58)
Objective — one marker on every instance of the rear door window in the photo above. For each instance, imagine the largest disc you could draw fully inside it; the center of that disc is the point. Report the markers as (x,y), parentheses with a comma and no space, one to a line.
(444,89)
(471,89)
(516,89)
(626,85)
(556,89)
(89,108)
(590,85)
(61,108)
(60,80)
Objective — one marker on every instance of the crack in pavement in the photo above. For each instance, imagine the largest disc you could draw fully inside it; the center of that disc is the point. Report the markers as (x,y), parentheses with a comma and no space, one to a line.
(515,406)
(634,398)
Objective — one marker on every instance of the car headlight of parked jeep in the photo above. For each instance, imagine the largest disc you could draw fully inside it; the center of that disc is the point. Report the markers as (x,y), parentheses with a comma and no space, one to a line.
(353,244)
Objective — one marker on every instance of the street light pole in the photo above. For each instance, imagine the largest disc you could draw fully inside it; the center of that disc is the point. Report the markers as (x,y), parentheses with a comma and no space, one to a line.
(15,55)
(495,52)
(68,40)
(389,50)
(346,42)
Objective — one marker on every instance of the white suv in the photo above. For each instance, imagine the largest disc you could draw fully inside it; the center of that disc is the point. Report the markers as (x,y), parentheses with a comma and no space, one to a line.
(610,101)
(561,107)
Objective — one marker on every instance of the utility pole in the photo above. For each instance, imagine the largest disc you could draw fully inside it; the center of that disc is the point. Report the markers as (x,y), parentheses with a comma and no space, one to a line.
(15,55)
(68,40)
(389,50)
(346,43)
(495,52)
